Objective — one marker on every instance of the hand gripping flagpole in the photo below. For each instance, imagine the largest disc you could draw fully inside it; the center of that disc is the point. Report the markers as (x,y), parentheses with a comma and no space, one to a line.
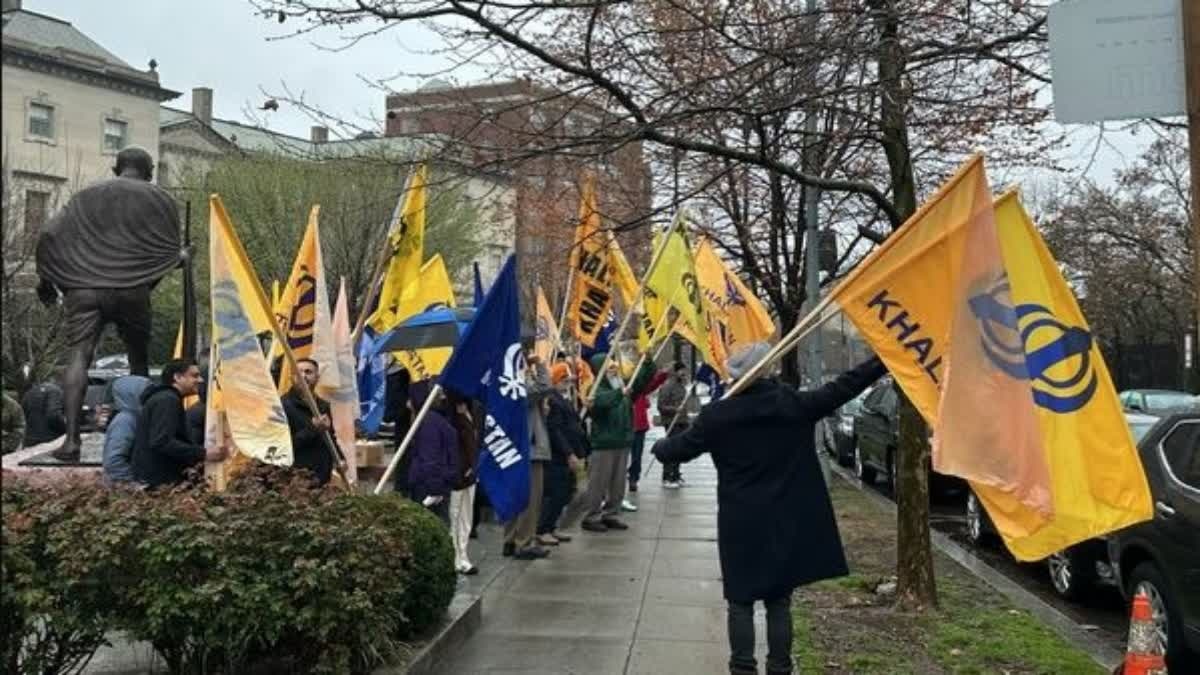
(675,419)
(408,437)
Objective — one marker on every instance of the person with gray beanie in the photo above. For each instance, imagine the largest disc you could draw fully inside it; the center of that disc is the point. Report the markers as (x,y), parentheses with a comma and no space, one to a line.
(775,524)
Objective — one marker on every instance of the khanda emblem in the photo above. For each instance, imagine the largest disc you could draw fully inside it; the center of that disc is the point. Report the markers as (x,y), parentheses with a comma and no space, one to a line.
(512,382)
(1028,342)
(693,289)
(299,323)
(235,335)
(733,297)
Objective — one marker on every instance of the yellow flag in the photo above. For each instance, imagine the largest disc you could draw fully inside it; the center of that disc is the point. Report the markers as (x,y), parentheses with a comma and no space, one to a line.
(407,241)
(743,315)
(547,331)
(590,297)
(303,311)
(623,277)
(243,408)
(1024,326)
(433,289)
(343,403)
(672,279)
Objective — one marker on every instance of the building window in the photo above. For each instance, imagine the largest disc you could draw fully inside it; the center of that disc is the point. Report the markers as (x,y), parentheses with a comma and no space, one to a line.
(37,203)
(41,120)
(115,135)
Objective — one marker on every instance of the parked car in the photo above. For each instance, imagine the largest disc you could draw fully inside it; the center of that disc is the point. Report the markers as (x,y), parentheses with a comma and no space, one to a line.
(876,437)
(1161,557)
(1157,401)
(1081,569)
(839,434)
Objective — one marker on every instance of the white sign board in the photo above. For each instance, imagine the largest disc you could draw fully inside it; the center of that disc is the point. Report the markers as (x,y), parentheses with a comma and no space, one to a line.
(1117,59)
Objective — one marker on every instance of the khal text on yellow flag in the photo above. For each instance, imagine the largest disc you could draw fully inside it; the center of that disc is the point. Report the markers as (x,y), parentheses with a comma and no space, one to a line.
(672,279)
(546,337)
(432,289)
(244,411)
(303,312)
(590,297)
(406,238)
(1021,325)
(731,302)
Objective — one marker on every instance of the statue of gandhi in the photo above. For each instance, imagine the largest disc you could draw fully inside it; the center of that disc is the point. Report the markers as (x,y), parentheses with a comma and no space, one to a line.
(104,252)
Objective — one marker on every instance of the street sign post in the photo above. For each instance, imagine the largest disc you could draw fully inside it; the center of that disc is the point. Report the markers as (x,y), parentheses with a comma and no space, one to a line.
(1115,59)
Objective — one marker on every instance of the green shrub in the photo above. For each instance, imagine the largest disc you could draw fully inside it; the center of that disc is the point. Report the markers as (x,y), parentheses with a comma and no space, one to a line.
(269,576)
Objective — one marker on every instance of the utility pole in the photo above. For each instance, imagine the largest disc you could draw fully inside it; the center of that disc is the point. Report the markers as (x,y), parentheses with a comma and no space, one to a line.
(812,196)
(1191,55)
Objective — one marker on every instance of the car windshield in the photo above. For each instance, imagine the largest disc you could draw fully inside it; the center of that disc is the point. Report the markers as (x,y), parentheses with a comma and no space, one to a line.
(1166,400)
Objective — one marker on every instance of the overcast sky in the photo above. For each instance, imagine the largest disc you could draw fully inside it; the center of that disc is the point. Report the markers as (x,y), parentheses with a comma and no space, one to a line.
(224,45)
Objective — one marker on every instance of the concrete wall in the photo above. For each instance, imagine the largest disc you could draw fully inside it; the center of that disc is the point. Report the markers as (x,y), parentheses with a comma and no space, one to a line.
(75,156)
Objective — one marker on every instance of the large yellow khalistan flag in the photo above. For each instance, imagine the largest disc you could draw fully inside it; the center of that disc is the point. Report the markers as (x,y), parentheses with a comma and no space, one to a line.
(303,312)
(432,289)
(244,410)
(903,301)
(1024,326)
(672,280)
(731,302)
(590,296)
(407,241)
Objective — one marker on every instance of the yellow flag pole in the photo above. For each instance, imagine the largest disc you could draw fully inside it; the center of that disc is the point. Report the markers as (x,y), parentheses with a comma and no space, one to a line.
(240,253)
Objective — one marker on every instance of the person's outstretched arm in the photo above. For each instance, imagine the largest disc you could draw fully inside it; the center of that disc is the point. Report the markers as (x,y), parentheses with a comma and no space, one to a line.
(682,447)
(824,400)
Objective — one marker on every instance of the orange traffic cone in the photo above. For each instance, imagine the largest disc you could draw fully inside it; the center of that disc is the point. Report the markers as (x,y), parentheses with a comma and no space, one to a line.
(1142,653)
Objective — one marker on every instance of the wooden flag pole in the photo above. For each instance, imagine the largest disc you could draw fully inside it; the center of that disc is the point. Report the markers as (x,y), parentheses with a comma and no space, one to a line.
(408,437)
(803,328)
(657,328)
(385,256)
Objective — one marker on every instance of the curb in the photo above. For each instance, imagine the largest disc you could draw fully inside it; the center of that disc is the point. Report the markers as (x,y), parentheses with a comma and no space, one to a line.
(1060,623)
(465,617)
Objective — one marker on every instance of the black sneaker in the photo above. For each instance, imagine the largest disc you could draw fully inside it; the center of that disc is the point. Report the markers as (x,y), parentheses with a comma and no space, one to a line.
(509,549)
(614,524)
(591,526)
(633,486)
(531,553)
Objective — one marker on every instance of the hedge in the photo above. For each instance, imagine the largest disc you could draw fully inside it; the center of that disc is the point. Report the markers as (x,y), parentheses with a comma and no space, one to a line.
(269,576)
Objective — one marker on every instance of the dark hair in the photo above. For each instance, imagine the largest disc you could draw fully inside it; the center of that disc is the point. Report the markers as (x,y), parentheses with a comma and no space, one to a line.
(306,359)
(174,368)
(135,157)
(678,367)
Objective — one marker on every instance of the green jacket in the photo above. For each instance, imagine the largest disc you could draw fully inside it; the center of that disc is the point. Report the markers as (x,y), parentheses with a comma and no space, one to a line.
(612,411)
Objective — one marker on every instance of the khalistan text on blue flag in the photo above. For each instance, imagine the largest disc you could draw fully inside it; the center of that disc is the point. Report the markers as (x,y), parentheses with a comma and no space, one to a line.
(489,365)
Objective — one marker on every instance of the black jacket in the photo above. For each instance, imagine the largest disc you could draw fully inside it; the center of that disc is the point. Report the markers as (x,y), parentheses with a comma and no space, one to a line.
(567,435)
(775,523)
(162,448)
(44,418)
(309,450)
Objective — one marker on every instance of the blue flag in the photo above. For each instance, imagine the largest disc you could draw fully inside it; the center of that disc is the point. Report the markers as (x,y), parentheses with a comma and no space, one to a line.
(372,383)
(707,375)
(603,338)
(488,364)
(478,286)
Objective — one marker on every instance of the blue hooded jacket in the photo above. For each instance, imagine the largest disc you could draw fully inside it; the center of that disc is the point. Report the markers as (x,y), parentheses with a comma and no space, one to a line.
(434,466)
(122,428)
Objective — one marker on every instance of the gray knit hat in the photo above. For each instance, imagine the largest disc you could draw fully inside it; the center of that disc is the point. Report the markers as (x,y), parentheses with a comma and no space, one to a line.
(741,361)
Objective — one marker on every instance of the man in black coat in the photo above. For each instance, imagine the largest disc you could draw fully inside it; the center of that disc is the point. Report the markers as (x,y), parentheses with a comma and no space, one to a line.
(775,524)
(309,447)
(163,451)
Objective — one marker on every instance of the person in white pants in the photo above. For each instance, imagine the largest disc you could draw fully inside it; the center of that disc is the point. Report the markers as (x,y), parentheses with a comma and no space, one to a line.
(462,499)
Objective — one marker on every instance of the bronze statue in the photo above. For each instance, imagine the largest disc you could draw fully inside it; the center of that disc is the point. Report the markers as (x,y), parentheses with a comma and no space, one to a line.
(104,252)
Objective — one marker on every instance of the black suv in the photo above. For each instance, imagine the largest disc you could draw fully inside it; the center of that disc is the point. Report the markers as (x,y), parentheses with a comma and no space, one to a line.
(876,437)
(1161,557)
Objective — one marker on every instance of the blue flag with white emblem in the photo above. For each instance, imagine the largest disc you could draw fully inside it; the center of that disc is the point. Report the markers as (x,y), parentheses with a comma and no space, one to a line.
(488,365)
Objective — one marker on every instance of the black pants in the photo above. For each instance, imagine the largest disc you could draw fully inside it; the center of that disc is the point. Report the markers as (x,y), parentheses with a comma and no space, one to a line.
(635,456)
(779,636)
(670,470)
(560,486)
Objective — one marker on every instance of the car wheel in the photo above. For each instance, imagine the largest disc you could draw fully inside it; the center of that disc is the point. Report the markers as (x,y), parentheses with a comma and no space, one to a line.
(1146,578)
(865,473)
(978,527)
(1072,573)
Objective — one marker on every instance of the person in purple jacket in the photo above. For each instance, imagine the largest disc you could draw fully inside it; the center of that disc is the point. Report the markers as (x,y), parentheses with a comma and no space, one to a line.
(433,469)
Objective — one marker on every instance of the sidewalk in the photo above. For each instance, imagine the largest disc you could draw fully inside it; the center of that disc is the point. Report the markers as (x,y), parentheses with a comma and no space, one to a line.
(647,600)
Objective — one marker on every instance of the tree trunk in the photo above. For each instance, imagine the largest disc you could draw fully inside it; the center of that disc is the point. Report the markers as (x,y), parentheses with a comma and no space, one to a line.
(916,589)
